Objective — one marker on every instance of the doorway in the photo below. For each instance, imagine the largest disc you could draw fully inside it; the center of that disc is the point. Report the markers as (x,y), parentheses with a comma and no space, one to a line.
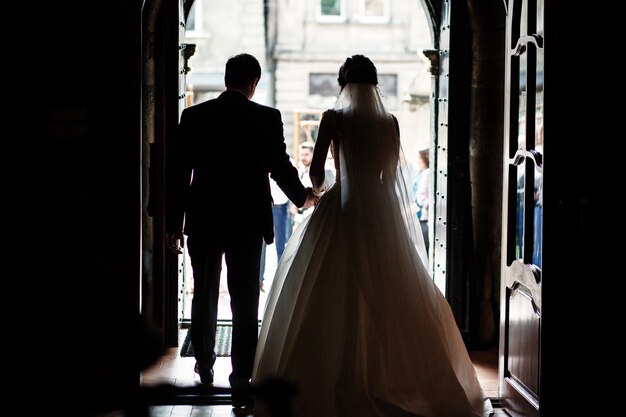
(300,80)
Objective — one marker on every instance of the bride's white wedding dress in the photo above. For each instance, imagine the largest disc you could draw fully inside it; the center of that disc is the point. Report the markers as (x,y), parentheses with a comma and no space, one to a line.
(353,316)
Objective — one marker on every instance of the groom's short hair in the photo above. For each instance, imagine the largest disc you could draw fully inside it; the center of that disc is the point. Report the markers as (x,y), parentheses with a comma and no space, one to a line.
(241,70)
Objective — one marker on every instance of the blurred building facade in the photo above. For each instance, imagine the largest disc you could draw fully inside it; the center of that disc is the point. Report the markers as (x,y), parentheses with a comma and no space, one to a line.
(301,46)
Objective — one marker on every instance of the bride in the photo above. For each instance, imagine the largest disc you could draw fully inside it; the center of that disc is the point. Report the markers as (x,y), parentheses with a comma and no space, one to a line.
(353,317)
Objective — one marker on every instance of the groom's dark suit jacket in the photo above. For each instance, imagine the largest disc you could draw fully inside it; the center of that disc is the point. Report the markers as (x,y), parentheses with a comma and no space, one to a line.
(230,144)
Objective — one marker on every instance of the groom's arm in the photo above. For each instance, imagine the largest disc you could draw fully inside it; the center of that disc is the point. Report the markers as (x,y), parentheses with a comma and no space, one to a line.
(179,174)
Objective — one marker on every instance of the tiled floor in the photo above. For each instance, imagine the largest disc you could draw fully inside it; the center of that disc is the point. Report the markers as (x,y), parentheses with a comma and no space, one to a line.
(175,370)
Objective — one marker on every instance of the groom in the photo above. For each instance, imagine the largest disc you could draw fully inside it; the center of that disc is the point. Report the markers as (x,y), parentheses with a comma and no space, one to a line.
(218,194)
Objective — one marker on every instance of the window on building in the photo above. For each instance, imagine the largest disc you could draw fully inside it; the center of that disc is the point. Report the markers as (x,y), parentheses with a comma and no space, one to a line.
(323,90)
(331,11)
(388,85)
(323,84)
(195,21)
(375,11)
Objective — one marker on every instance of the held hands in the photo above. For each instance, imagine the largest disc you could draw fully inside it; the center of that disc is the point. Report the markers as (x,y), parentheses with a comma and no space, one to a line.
(311,199)
(175,242)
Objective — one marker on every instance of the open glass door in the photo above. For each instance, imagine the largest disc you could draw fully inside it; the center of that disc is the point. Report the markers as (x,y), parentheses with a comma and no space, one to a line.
(520,326)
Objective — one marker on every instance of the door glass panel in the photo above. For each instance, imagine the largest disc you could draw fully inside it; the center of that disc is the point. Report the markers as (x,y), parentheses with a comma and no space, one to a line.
(521,144)
(523,27)
(538,183)
(519,212)
(538,207)
(539,8)
(521,139)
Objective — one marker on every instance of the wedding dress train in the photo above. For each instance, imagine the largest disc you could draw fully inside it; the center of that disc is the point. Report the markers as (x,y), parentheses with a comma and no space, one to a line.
(353,316)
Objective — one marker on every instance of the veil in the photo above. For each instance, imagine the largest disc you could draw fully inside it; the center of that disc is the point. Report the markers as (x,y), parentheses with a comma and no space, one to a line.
(372,163)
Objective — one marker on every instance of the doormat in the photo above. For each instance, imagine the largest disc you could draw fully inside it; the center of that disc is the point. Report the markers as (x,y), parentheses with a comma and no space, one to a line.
(223,338)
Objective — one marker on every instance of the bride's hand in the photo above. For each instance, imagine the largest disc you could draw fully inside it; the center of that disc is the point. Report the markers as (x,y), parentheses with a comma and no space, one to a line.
(311,199)
(318,191)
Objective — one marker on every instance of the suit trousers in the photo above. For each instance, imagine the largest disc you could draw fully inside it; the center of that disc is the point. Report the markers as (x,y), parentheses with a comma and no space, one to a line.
(242,254)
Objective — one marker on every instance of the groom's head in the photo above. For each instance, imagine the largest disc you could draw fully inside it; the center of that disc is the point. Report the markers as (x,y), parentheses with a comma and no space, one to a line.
(243,72)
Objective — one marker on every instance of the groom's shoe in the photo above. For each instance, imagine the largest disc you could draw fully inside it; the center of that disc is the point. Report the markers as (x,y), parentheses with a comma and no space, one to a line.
(206,374)
(243,411)
(243,408)
(242,399)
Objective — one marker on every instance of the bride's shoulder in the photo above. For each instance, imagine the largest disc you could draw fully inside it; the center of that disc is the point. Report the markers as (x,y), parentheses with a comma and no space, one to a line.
(330,115)
(395,123)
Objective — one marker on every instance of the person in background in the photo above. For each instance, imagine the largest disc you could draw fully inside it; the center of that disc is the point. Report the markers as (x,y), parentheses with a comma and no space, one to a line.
(422,194)
(282,220)
(282,226)
(305,156)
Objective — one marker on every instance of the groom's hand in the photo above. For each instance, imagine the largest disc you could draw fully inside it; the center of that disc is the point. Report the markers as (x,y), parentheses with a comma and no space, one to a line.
(311,198)
(175,242)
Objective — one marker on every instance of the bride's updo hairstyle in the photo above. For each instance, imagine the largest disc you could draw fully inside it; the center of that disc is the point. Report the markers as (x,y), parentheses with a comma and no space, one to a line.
(357,69)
